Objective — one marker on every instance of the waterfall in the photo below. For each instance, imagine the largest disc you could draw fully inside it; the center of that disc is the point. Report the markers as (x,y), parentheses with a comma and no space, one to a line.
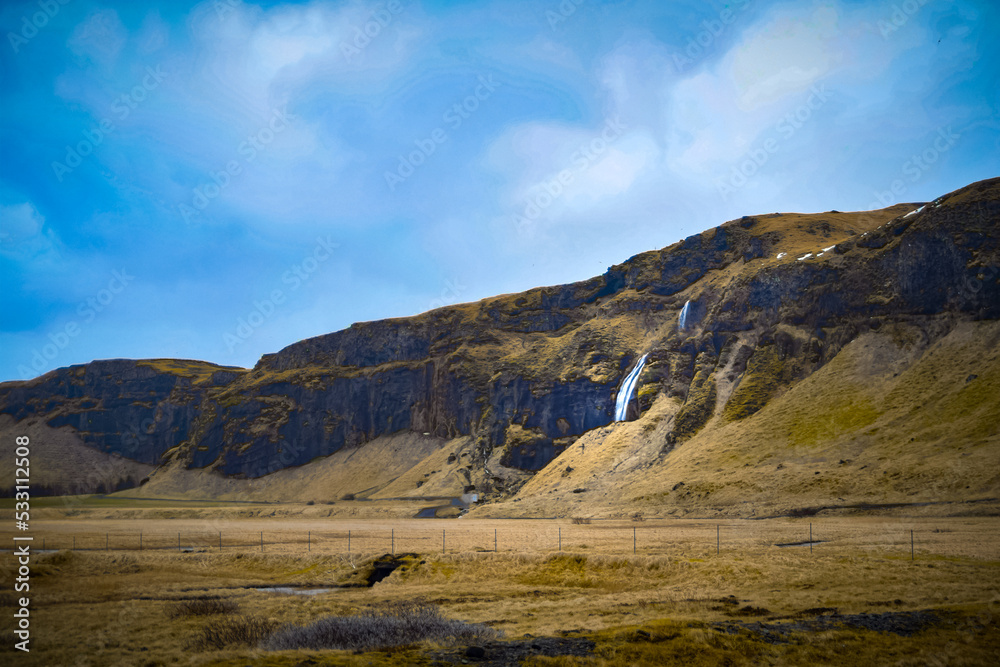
(682,323)
(628,386)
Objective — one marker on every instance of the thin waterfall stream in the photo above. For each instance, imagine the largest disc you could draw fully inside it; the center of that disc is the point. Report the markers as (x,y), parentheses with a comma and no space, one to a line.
(685,311)
(628,386)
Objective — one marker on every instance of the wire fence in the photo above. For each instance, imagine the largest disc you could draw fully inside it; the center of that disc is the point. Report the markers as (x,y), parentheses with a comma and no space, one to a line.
(946,539)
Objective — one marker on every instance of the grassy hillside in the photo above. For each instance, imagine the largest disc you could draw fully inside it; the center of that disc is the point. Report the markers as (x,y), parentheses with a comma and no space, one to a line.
(889,420)
(361,472)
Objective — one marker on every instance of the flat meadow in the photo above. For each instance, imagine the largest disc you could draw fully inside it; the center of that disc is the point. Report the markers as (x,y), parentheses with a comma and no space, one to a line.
(213,583)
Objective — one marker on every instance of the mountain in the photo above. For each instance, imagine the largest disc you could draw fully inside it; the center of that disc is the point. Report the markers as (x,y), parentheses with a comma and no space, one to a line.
(827,359)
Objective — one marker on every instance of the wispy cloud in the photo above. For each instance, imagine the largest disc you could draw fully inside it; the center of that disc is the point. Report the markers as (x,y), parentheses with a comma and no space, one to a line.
(274,124)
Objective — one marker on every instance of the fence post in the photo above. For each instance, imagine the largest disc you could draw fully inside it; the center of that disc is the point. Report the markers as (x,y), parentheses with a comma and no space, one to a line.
(262,541)
(309,541)
(74,541)
(810,538)
(106,540)
(560,538)
(494,540)
(442,541)
(392,541)
(220,540)
(348,541)
(633,540)
(178,541)
(717,539)
(911,546)
(140,540)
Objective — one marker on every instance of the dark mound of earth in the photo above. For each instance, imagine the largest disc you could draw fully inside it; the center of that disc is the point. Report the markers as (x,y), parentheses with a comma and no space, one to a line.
(902,623)
(512,653)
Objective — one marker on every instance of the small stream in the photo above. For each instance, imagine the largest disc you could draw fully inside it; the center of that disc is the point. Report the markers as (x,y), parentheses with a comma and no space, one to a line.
(431,512)
(291,590)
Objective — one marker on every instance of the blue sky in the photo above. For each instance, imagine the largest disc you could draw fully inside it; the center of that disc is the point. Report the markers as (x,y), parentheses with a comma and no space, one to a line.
(219,180)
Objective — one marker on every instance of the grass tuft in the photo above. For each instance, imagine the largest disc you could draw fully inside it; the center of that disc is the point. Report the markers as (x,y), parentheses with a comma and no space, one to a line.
(390,625)
(235,631)
(203,608)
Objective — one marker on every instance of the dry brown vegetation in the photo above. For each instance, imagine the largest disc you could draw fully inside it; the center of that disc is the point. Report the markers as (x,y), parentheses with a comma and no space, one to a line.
(673,602)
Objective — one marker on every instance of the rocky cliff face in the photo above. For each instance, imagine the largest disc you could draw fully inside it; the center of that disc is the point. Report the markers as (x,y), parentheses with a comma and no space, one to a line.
(773,299)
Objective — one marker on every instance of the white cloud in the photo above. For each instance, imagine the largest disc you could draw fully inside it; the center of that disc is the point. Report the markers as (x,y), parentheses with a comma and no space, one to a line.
(784,56)
(601,161)
(544,49)
(723,111)
(20,222)
(718,113)
(249,63)
(23,236)
(263,57)
(820,64)
(563,178)
(686,128)
(636,77)
(153,35)
(611,175)
(99,38)
(244,64)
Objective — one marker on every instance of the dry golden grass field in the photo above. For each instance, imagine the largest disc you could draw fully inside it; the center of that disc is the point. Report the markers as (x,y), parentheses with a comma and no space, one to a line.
(855,598)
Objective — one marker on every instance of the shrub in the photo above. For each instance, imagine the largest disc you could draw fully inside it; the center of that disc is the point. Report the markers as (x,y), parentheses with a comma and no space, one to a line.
(203,608)
(347,496)
(395,624)
(580,520)
(235,631)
